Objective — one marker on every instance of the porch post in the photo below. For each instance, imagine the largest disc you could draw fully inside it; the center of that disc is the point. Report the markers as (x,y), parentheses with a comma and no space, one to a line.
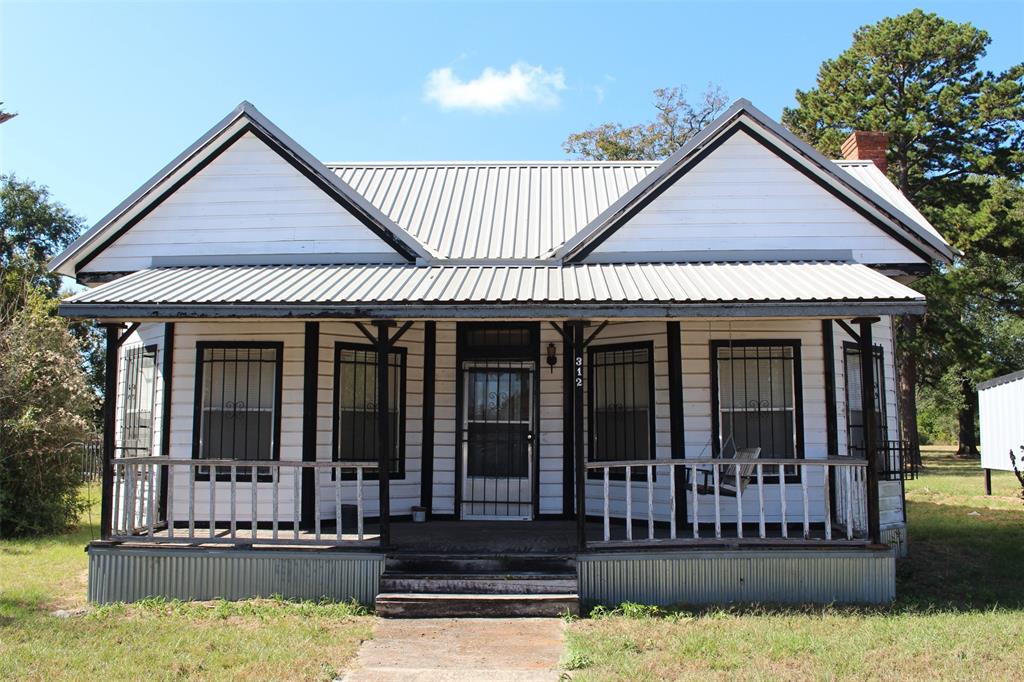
(383,434)
(676,415)
(867,387)
(109,406)
(167,372)
(310,378)
(429,388)
(575,334)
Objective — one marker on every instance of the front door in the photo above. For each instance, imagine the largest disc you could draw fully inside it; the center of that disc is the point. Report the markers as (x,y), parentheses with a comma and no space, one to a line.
(497,440)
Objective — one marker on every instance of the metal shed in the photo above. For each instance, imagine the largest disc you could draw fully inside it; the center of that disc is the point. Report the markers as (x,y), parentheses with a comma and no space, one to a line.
(1001,409)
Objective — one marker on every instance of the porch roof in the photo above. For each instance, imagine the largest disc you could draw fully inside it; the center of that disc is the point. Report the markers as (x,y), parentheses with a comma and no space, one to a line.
(781,289)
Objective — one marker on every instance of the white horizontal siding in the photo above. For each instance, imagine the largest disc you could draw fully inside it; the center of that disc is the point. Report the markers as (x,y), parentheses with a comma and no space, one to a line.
(743,197)
(247,202)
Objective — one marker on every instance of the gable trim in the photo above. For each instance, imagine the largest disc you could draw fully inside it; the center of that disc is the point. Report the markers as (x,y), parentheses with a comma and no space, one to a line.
(627,213)
(206,149)
(386,235)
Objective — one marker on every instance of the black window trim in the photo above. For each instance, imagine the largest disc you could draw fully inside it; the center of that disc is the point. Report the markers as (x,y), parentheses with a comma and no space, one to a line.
(637,474)
(275,452)
(878,350)
(371,474)
(147,349)
(798,396)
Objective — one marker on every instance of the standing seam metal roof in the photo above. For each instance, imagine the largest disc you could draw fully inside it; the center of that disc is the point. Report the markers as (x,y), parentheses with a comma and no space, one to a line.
(633,283)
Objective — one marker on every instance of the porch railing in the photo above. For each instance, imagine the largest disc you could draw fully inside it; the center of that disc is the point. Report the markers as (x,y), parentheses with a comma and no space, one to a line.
(839,516)
(207,501)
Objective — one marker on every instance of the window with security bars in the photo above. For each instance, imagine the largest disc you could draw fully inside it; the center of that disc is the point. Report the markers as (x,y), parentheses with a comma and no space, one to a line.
(238,406)
(855,403)
(621,399)
(757,395)
(138,380)
(356,431)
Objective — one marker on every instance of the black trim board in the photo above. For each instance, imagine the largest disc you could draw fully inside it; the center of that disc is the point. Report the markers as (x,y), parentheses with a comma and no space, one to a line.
(672,176)
(310,379)
(427,428)
(673,337)
(167,379)
(222,145)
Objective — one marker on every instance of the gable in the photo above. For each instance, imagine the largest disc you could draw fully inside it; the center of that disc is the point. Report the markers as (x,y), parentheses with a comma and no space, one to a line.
(743,201)
(248,205)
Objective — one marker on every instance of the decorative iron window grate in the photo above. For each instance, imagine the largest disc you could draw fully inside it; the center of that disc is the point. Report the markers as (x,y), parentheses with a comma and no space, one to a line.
(356,431)
(138,383)
(238,406)
(893,456)
(757,400)
(621,400)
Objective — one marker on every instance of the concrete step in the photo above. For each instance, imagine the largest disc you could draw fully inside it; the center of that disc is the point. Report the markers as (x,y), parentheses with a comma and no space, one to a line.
(480,564)
(420,605)
(480,583)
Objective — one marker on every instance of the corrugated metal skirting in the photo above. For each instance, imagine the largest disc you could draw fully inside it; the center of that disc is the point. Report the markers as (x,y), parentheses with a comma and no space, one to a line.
(729,576)
(896,537)
(129,574)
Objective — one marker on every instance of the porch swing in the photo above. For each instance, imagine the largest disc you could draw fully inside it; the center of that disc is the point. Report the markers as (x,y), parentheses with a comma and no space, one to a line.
(732,478)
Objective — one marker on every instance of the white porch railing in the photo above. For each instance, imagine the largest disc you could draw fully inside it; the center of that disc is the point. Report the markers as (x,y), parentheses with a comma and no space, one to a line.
(244,489)
(840,513)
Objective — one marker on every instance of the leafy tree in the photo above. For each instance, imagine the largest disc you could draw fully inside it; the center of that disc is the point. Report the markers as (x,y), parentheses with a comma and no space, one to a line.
(45,408)
(957,150)
(676,121)
(33,229)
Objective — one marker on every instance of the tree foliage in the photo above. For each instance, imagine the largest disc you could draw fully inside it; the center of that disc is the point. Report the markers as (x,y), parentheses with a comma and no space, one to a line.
(676,121)
(957,150)
(45,411)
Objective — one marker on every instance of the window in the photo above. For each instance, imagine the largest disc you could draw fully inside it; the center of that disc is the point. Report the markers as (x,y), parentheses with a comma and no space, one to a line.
(137,385)
(756,393)
(621,399)
(854,406)
(355,407)
(238,405)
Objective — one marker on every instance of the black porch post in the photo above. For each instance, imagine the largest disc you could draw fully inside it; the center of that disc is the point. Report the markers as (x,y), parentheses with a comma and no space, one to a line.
(383,434)
(109,405)
(867,388)
(676,415)
(429,388)
(568,458)
(575,334)
(167,375)
(310,378)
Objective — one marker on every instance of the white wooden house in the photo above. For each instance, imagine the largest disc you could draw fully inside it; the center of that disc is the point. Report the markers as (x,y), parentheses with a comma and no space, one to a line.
(610,380)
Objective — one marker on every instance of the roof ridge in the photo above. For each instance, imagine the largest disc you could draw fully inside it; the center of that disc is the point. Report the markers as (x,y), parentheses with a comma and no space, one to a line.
(540,162)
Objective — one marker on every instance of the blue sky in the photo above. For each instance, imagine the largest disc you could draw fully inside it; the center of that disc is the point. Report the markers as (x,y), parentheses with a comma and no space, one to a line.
(109,93)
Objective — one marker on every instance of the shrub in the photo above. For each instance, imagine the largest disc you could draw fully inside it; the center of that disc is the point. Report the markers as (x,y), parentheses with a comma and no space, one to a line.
(45,406)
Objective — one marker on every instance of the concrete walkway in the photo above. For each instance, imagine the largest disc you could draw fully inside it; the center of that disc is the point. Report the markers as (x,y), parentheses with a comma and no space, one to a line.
(455,649)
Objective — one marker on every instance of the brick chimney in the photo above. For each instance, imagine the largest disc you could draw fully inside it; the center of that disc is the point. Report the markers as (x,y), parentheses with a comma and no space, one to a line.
(862,145)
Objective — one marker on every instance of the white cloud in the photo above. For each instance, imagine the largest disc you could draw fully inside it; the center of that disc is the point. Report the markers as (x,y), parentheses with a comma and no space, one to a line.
(494,90)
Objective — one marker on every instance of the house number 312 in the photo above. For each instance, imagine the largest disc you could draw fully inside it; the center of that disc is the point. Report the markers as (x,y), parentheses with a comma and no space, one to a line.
(579,371)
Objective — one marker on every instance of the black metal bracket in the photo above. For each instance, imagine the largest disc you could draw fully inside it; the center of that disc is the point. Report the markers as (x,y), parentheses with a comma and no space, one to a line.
(849,330)
(128,332)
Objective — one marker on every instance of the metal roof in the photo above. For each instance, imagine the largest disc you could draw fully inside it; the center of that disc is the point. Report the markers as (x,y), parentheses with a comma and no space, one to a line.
(471,290)
(870,175)
(518,209)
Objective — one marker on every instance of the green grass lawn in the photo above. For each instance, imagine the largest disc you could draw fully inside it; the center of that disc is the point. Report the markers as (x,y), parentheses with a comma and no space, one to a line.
(259,639)
(959,612)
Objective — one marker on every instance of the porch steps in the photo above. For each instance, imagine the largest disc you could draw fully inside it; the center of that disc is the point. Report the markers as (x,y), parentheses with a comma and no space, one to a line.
(482,586)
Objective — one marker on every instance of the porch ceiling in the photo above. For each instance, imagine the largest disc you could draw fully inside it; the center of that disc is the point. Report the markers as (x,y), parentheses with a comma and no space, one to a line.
(781,289)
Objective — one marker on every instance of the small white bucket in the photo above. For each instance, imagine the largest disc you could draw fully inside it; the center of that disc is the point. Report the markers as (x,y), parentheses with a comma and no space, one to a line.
(419,514)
